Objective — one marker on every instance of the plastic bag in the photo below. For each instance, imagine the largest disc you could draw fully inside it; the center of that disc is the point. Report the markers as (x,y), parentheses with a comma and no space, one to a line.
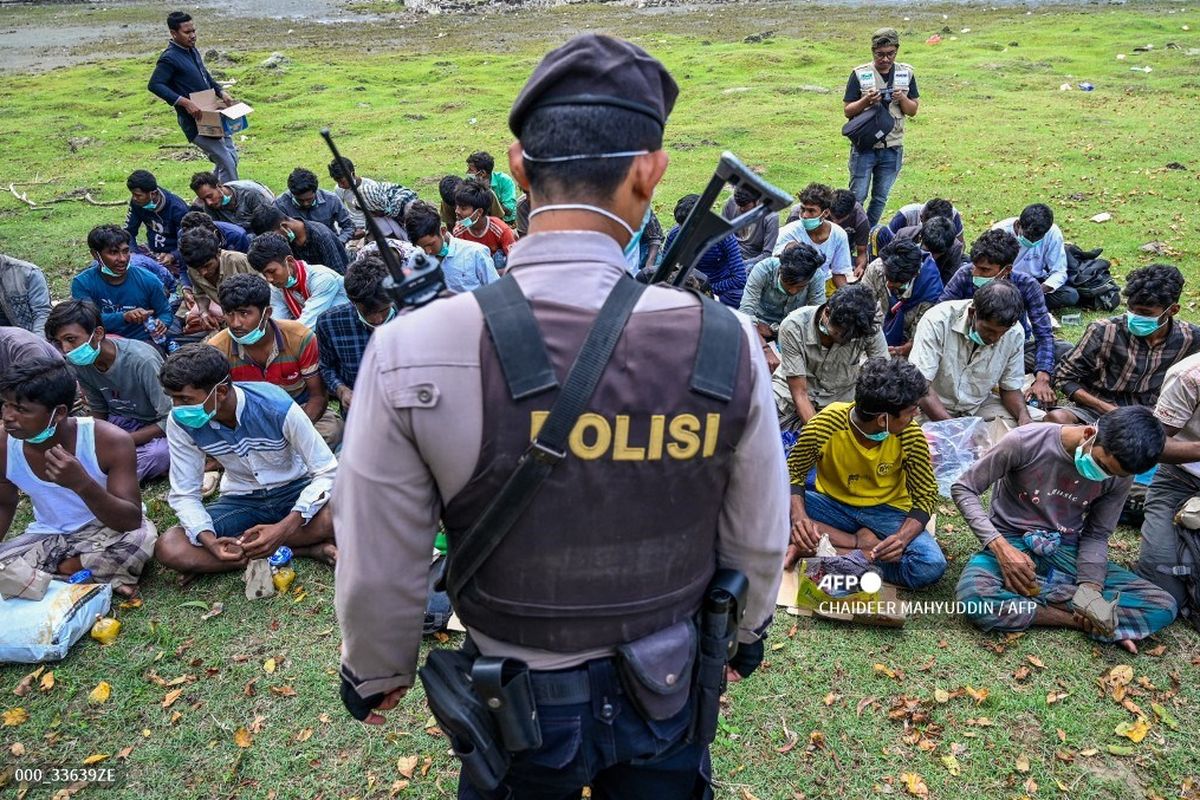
(955,444)
(44,630)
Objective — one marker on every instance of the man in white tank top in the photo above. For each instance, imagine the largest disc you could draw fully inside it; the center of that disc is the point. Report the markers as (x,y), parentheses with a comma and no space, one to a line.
(80,475)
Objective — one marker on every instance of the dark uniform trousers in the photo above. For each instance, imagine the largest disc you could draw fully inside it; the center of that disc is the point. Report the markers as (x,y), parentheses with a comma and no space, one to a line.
(593,736)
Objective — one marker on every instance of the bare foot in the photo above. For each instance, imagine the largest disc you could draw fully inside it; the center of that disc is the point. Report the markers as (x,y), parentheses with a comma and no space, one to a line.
(866,540)
(126,590)
(1129,645)
(185,579)
(325,552)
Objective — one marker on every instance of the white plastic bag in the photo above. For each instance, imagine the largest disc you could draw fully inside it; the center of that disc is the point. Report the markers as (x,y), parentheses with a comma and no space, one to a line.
(44,630)
(955,444)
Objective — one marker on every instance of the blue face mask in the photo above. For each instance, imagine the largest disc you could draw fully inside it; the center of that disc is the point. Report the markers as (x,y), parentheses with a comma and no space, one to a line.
(290,234)
(974,336)
(1028,245)
(38,438)
(1085,463)
(1142,326)
(291,281)
(194,416)
(980,282)
(881,436)
(391,315)
(253,336)
(104,270)
(633,247)
(150,206)
(84,355)
(226,199)
(445,251)
(811,223)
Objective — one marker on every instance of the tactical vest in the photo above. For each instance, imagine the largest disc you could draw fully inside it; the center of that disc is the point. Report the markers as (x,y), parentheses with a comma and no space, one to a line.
(620,540)
(896,137)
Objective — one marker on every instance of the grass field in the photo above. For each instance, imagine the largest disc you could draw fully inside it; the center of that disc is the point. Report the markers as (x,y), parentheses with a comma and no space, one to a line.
(994,133)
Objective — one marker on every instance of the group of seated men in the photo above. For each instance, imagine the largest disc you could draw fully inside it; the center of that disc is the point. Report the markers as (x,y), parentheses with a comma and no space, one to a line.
(868,333)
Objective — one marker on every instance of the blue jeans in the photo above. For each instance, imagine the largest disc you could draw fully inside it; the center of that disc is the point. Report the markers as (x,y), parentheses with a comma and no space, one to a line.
(233,514)
(875,171)
(604,743)
(922,563)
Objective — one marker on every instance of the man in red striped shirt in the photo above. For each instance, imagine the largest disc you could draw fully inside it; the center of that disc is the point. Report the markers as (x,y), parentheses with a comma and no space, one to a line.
(471,204)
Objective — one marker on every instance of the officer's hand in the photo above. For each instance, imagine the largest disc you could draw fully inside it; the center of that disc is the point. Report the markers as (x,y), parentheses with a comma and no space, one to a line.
(389,702)
(745,661)
(732,675)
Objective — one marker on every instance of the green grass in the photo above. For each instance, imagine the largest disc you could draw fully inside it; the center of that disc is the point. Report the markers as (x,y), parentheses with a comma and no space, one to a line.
(994,133)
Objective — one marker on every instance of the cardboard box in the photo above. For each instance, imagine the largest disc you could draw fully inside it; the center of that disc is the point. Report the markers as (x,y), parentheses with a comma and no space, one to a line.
(216,119)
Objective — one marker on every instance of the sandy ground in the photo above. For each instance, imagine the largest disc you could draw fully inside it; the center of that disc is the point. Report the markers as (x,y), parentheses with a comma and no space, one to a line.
(41,36)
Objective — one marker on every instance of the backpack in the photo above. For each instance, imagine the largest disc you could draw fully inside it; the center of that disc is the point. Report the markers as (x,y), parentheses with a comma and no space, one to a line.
(1089,275)
(869,128)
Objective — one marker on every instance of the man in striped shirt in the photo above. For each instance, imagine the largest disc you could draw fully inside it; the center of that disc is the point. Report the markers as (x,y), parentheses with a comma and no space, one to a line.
(1122,361)
(875,490)
(471,204)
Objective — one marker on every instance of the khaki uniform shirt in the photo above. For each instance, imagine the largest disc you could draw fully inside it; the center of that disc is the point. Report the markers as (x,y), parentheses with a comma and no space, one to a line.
(414,440)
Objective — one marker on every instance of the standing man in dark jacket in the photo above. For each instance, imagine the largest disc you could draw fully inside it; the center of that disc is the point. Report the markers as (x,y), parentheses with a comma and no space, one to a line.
(576,577)
(179,72)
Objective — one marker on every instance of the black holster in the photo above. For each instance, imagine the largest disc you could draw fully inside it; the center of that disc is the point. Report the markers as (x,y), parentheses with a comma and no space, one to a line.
(720,616)
(507,691)
(464,718)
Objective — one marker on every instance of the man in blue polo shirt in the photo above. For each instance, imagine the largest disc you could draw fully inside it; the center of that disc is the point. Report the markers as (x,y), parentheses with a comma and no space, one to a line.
(127,295)
(179,72)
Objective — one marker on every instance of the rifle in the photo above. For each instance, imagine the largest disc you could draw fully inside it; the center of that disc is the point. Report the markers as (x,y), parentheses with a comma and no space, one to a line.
(420,279)
(702,228)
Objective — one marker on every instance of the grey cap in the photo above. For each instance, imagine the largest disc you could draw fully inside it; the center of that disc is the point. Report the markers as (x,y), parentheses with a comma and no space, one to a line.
(593,69)
(885,36)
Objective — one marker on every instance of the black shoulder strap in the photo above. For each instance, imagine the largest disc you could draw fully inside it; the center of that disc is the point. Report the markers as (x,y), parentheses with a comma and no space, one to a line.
(515,334)
(549,446)
(715,370)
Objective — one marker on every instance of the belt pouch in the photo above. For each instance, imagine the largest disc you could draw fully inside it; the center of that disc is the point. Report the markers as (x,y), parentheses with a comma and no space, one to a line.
(656,670)
(507,691)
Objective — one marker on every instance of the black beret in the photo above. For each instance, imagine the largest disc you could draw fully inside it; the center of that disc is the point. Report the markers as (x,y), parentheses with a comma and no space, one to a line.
(597,70)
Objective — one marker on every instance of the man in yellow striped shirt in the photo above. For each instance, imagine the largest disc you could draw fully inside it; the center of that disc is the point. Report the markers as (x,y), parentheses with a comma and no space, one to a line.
(874,488)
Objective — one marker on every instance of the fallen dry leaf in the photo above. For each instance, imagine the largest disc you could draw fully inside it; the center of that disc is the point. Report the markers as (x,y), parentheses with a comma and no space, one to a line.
(176,716)
(1134,731)
(1158,651)
(862,704)
(124,753)
(941,696)
(831,698)
(283,691)
(1037,662)
(241,737)
(746,794)
(978,695)
(95,758)
(397,787)
(134,603)
(248,690)
(914,784)
(406,765)
(1165,716)
(269,665)
(171,697)
(17,749)
(216,609)
(15,716)
(101,693)
(950,762)
(47,682)
(1022,673)
(304,735)
(787,748)
(1055,697)
(883,669)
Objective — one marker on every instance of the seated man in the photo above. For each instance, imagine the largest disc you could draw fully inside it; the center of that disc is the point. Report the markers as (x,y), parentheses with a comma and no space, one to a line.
(1164,559)
(906,284)
(278,472)
(936,237)
(310,241)
(814,227)
(343,332)
(119,378)
(964,348)
(1042,253)
(1057,493)
(447,188)
(992,257)
(128,296)
(481,167)
(471,203)
(160,211)
(778,285)
(465,265)
(721,265)
(914,215)
(299,291)
(24,295)
(387,202)
(756,240)
(875,489)
(821,348)
(279,351)
(1122,360)
(848,214)
(18,345)
(234,203)
(305,200)
(208,265)
(80,475)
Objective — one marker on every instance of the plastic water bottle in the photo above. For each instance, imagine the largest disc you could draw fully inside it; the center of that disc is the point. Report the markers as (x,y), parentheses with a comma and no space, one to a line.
(83,576)
(162,340)
(282,573)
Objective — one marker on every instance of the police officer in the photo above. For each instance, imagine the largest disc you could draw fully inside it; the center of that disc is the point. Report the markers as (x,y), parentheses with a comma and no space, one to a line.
(673,469)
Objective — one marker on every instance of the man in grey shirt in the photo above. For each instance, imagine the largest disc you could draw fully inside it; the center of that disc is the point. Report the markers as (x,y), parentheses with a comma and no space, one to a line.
(24,295)
(1057,493)
(756,240)
(119,378)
